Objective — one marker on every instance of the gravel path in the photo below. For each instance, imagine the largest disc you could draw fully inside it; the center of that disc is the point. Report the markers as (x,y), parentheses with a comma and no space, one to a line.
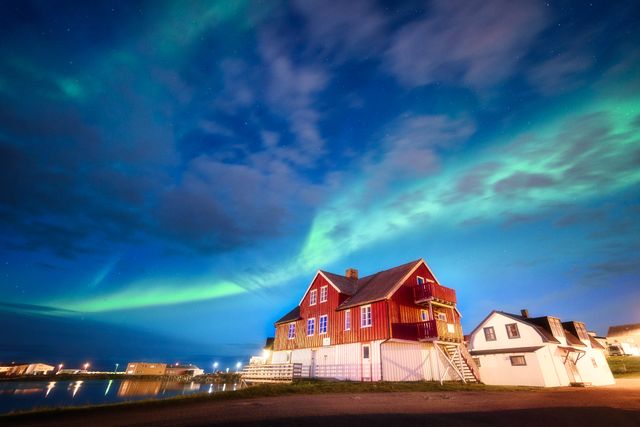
(604,406)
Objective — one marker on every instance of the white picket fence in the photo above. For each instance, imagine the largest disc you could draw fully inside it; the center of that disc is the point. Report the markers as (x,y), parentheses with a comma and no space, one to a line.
(272,373)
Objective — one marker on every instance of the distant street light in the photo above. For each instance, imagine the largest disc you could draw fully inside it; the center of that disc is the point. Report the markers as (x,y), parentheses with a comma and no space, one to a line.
(215,367)
(238,366)
(86,365)
(60,367)
(116,371)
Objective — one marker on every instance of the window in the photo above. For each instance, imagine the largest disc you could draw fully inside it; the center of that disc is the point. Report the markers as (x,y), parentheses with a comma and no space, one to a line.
(311,326)
(323,294)
(518,361)
(476,360)
(365,316)
(365,351)
(322,327)
(292,331)
(347,320)
(313,296)
(593,361)
(512,330)
(441,316)
(420,281)
(489,334)
(424,315)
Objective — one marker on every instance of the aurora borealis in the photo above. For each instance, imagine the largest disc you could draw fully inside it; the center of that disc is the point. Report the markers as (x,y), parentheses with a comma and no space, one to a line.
(183,168)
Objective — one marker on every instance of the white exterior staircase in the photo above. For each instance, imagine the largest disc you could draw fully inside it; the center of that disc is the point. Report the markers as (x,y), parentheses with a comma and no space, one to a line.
(460,362)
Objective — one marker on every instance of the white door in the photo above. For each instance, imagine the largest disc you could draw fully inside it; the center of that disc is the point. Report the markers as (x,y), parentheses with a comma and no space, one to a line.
(312,369)
(366,362)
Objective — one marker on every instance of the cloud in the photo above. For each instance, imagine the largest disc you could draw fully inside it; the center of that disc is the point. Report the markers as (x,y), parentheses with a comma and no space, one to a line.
(560,73)
(477,44)
(291,92)
(346,28)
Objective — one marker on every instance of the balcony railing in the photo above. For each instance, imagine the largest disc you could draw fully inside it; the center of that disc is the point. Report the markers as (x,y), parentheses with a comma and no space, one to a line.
(427,331)
(429,291)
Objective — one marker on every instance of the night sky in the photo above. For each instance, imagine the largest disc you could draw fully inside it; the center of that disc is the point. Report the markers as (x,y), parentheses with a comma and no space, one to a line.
(174,173)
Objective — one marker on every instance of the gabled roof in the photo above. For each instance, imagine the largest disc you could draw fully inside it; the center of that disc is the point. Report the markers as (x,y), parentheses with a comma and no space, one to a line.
(344,284)
(624,329)
(544,334)
(378,286)
(290,316)
(572,339)
(595,343)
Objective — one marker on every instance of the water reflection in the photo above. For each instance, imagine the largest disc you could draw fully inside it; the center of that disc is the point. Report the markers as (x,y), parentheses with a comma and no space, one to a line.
(23,395)
(50,387)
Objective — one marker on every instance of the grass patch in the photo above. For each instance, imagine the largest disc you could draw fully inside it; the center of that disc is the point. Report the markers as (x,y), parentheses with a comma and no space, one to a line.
(624,366)
(272,390)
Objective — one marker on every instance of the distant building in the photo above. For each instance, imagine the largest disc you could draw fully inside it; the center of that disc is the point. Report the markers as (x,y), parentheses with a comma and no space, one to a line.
(627,337)
(183,370)
(19,369)
(144,368)
(512,349)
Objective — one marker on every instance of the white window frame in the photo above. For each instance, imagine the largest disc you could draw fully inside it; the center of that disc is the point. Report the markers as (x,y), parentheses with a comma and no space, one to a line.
(509,334)
(418,279)
(493,333)
(313,297)
(326,324)
(311,322)
(347,320)
(291,334)
(366,318)
(324,294)
(518,357)
(441,316)
(424,315)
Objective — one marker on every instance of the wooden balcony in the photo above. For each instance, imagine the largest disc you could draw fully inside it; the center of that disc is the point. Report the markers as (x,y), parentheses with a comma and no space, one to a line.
(427,331)
(432,291)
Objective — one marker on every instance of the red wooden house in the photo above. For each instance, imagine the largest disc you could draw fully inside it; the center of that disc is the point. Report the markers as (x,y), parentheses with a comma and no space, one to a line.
(395,325)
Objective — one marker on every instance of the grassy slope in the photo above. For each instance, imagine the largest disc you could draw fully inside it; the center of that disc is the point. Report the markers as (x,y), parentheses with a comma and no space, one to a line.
(624,366)
(301,387)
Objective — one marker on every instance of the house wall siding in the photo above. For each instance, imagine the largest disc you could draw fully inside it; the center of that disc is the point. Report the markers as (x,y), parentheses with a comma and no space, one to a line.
(336,333)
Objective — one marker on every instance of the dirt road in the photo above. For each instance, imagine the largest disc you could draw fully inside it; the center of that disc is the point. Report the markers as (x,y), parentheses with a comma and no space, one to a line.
(605,406)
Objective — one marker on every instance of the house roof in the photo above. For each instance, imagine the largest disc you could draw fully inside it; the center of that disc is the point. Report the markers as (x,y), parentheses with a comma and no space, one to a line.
(344,284)
(572,339)
(544,334)
(377,286)
(624,329)
(594,343)
(506,350)
(290,316)
(367,289)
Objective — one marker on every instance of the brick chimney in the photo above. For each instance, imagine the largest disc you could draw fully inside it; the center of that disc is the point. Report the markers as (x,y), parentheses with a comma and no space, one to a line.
(351,273)
(525,313)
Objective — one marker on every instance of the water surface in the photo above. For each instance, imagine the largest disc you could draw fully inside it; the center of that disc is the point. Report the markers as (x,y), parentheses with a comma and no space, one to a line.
(25,395)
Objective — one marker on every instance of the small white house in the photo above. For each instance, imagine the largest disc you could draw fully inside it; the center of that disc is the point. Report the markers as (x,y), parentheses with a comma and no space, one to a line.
(518,350)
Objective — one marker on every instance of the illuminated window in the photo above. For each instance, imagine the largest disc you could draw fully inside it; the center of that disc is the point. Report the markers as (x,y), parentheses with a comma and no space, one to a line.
(365,316)
(489,334)
(292,331)
(518,361)
(313,296)
(424,315)
(512,330)
(311,326)
(322,329)
(323,294)
(347,320)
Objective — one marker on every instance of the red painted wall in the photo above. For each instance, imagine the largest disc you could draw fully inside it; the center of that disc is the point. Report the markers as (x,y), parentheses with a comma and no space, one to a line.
(379,328)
